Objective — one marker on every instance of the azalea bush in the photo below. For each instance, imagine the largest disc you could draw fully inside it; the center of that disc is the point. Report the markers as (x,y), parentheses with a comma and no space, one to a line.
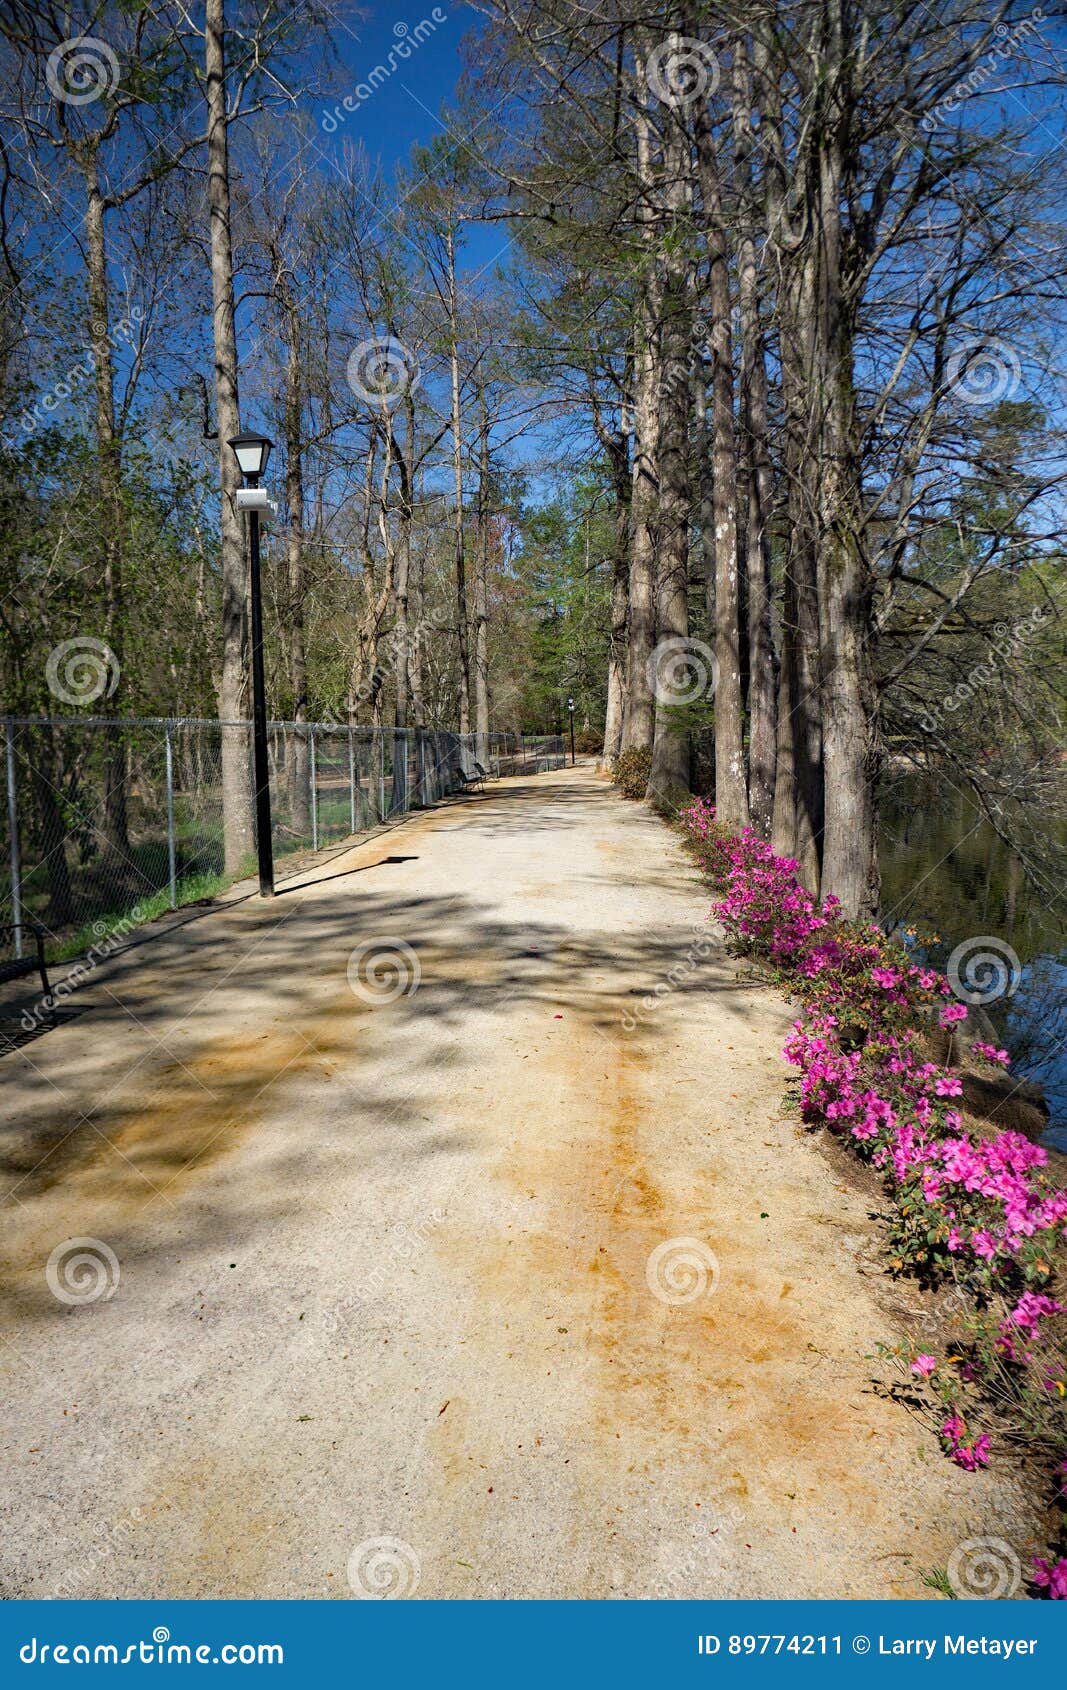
(977,1212)
(708,841)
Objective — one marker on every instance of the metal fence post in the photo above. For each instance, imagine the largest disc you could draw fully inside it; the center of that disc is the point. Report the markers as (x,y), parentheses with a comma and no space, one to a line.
(381,773)
(352,780)
(13,832)
(171,864)
(314,795)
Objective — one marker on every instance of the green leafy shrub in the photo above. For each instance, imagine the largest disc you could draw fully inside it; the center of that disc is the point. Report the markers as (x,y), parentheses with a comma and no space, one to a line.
(631,771)
(708,841)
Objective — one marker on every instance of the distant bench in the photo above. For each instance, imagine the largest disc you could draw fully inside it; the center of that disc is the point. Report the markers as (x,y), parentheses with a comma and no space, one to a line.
(15,967)
(474,778)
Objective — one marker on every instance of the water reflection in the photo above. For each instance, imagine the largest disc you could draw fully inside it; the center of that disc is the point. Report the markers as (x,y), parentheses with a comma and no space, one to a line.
(946,872)
(1035,1031)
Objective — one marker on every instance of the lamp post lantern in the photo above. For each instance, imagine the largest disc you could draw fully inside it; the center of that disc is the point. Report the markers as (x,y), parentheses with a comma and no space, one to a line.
(570,707)
(252,452)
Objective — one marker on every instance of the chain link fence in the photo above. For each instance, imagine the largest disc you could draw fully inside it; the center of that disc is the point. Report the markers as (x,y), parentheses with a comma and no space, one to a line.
(107,824)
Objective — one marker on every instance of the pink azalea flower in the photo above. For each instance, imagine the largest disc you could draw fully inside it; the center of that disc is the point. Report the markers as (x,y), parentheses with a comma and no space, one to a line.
(991,1053)
(989,1200)
(924,1366)
(1051,1577)
(953,1012)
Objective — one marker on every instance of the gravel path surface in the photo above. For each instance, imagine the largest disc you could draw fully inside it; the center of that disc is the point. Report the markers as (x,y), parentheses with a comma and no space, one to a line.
(520,1268)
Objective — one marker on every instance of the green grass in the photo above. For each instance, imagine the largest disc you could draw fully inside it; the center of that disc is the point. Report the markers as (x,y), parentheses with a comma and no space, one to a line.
(937,1579)
(190,890)
(200,874)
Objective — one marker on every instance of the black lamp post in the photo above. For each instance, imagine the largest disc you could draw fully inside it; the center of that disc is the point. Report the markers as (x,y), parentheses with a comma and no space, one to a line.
(570,707)
(252,452)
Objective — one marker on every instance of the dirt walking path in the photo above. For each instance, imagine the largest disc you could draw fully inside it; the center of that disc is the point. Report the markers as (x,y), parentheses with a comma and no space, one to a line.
(520,1269)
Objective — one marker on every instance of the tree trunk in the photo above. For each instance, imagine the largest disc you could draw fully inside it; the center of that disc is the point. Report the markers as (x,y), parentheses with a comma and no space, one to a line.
(705,500)
(731,786)
(415,678)
(798,797)
(481,599)
(668,781)
(846,632)
(109,483)
(299,769)
(614,717)
(637,726)
(762,691)
(798,793)
(463,633)
(849,861)
(415,646)
(238,834)
(400,642)
(401,637)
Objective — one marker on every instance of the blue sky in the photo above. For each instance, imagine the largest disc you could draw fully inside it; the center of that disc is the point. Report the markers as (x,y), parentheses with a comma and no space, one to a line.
(405,107)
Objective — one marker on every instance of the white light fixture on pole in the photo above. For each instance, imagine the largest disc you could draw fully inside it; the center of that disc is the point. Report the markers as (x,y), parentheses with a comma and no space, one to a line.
(251,452)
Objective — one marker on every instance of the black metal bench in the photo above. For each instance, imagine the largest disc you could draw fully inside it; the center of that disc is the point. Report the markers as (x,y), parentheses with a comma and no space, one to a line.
(473,778)
(15,967)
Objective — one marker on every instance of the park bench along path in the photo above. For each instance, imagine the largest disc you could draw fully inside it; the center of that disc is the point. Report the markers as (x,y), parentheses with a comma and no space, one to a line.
(451,1202)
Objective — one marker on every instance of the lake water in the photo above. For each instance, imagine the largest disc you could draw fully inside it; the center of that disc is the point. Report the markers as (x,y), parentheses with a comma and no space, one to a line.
(945,872)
